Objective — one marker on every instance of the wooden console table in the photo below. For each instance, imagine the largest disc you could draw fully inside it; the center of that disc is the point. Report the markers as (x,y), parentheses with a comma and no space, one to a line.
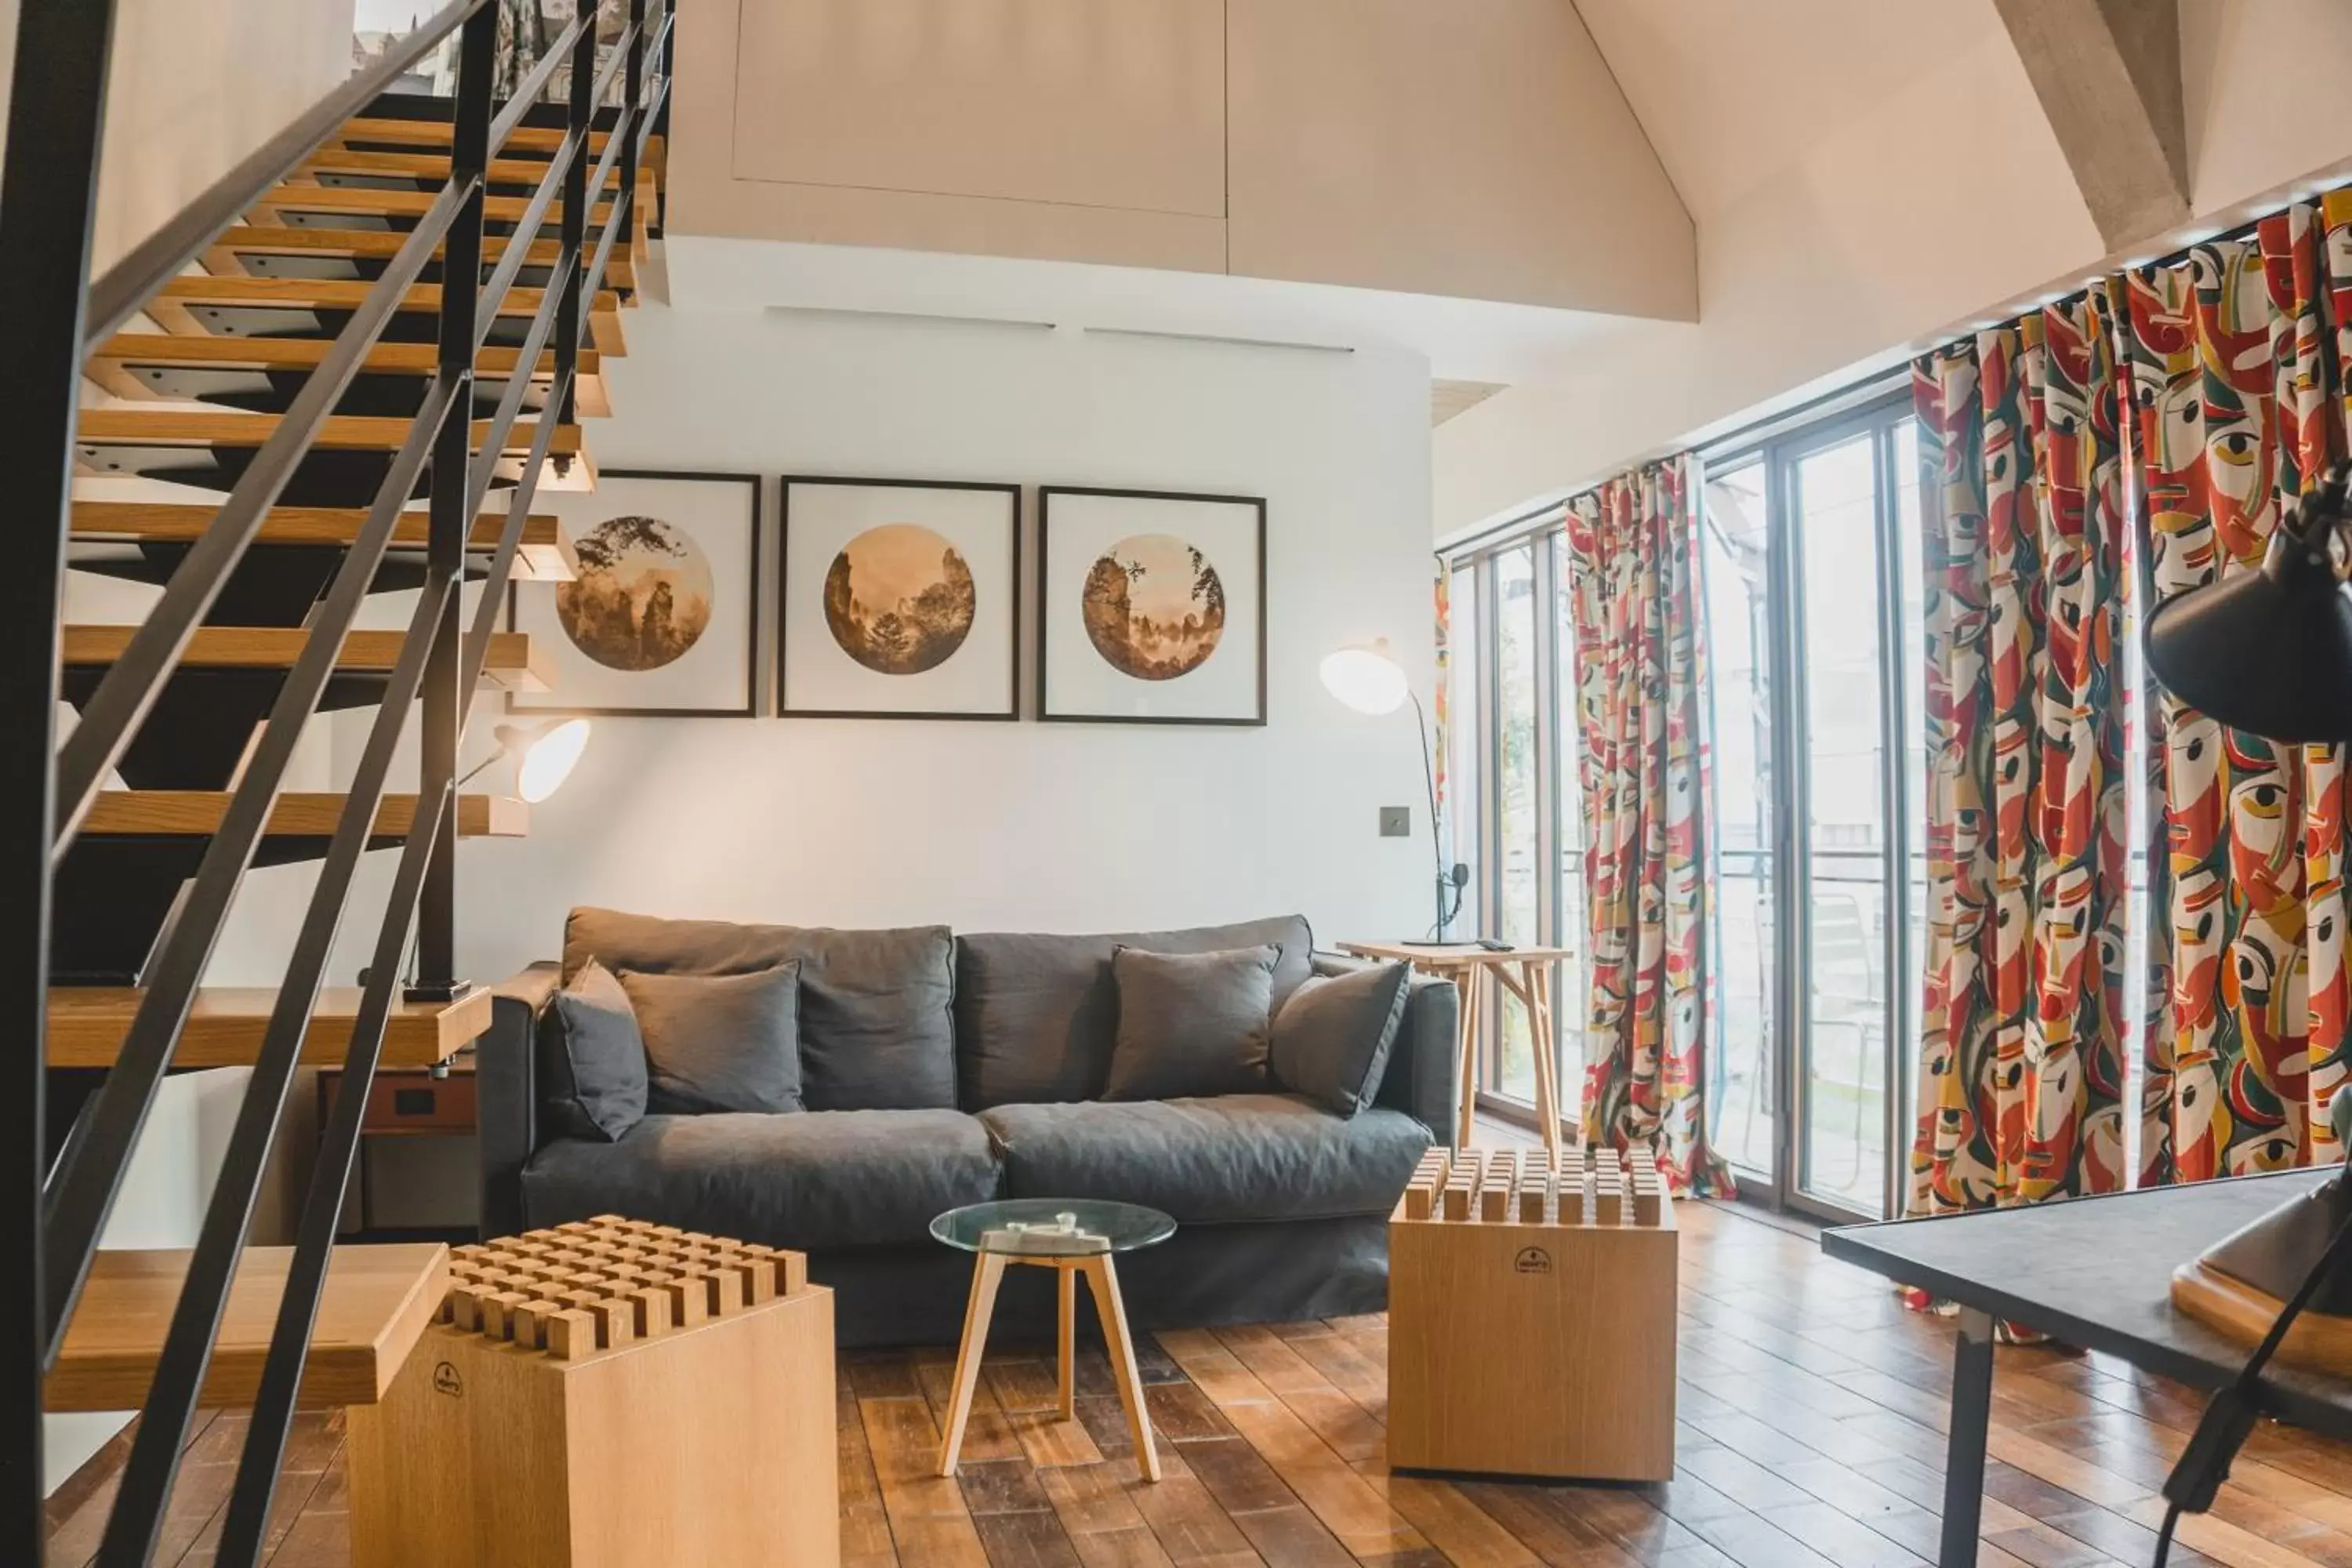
(1525,972)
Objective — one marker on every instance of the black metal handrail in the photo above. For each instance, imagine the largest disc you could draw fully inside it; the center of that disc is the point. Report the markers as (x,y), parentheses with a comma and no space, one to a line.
(440,664)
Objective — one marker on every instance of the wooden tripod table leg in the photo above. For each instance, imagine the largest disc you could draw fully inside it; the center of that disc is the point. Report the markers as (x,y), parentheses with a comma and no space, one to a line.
(986,1275)
(1469,981)
(1066,1288)
(1537,978)
(1103,1280)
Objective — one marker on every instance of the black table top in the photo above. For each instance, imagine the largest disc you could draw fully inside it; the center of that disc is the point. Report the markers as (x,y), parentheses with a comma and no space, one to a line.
(2097,1273)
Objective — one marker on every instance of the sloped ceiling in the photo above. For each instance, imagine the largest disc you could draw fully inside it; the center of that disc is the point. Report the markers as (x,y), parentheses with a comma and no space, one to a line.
(1732,91)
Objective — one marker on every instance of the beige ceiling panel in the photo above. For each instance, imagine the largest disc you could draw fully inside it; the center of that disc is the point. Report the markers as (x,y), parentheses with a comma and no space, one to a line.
(1478,150)
(1082,102)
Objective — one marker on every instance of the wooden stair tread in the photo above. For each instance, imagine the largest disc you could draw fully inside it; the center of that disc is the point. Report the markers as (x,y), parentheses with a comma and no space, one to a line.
(380,245)
(87,1025)
(342,432)
(541,139)
(544,554)
(115,364)
(404,204)
(375,1305)
(183,813)
(338,158)
(172,305)
(544,139)
(510,664)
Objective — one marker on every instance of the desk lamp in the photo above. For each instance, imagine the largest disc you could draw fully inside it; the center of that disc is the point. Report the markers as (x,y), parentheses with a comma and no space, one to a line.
(2269,652)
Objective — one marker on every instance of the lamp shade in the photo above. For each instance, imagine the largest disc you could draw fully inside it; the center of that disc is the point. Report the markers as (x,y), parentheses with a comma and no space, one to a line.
(2268,651)
(547,758)
(1365,678)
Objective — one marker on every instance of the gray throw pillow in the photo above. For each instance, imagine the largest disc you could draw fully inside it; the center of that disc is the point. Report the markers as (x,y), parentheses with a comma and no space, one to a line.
(720,1042)
(1332,1038)
(1191,1025)
(592,1061)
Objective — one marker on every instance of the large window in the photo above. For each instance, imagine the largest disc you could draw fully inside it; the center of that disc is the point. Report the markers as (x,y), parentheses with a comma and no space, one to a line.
(1511,762)
(1810,561)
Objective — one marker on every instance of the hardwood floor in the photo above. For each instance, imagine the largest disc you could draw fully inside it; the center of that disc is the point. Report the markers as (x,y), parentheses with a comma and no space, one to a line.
(1810,1424)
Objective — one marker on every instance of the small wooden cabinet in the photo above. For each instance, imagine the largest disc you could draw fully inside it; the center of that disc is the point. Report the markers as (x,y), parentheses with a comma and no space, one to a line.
(1531,1318)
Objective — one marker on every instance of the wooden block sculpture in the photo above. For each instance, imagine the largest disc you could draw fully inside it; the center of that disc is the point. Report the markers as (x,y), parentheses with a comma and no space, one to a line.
(607,1394)
(1531,1318)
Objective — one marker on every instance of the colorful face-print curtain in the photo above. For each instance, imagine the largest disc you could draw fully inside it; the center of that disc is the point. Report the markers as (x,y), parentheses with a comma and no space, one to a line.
(2237,354)
(1633,564)
(2022,489)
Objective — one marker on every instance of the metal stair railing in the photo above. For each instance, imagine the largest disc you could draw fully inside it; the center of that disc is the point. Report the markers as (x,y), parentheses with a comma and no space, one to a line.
(46,199)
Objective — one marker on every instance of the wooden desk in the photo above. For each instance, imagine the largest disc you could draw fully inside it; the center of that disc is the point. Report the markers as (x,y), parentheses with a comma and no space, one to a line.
(1467,965)
(2094,1272)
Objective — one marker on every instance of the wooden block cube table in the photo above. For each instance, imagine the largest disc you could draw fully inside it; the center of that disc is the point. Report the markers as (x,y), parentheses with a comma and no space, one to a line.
(1531,1317)
(607,1394)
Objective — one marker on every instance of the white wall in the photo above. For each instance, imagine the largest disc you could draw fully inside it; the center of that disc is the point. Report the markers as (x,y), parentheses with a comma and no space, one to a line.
(1894,222)
(853,821)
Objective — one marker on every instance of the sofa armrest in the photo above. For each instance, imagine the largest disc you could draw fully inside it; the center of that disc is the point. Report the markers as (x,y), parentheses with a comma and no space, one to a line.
(506,1093)
(1421,1079)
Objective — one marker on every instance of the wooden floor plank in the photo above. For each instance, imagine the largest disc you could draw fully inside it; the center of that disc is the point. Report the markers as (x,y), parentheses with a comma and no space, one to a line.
(1812,1416)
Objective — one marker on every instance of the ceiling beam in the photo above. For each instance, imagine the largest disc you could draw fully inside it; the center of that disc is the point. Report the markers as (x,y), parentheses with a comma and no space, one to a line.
(2108,75)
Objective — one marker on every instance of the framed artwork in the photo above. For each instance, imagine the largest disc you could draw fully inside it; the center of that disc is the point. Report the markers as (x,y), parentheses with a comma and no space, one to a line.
(663,618)
(1151,607)
(899,599)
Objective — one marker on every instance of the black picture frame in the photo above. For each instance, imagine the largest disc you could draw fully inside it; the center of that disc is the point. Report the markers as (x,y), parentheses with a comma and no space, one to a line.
(1012,492)
(1045,714)
(750,709)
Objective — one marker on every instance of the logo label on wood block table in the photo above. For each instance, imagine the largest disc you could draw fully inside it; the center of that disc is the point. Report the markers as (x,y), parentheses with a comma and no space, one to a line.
(1532,1260)
(447,1381)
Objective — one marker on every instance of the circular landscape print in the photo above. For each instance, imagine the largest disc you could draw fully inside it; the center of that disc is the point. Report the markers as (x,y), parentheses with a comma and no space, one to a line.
(642,596)
(898,599)
(1154,607)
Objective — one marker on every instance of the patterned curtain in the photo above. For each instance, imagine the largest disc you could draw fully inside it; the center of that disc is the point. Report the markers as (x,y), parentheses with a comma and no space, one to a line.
(2028,872)
(1632,563)
(2237,353)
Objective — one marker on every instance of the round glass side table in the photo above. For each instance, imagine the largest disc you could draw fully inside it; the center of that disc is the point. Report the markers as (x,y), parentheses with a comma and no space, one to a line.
(1072,1236)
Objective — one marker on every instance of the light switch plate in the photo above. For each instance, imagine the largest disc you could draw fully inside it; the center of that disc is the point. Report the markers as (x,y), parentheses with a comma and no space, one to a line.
(1396,822)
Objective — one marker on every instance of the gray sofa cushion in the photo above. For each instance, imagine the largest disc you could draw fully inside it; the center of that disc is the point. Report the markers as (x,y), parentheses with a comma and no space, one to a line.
(1192,1023)
(1036,1016)
(821,1179)
(1236,1157)
(1332,1042)
(720,1042)
(877,1025)
(591,1058)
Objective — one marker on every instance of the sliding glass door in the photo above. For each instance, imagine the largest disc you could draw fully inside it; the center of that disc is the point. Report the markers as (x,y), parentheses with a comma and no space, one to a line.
(1813,601)
(1809,569)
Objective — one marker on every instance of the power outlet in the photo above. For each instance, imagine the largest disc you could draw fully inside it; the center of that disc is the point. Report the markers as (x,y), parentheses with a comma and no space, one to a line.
(1396,822)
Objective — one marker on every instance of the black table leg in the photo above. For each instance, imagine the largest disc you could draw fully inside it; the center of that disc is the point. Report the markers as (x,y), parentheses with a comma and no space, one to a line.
(1964,1459)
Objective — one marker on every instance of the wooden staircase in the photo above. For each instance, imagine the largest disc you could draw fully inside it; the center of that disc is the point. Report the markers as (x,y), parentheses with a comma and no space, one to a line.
(397,335)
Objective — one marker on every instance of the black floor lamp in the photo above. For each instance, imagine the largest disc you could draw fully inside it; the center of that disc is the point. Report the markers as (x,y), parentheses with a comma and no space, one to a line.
(1366,677)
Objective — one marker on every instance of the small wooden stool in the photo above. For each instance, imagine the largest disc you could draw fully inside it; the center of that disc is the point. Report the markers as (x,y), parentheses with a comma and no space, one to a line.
(1531,1323)
(1468,965)
(1072,1236)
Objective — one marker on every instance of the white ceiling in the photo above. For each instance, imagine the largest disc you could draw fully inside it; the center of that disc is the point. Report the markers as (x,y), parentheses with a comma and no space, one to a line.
(1732,91)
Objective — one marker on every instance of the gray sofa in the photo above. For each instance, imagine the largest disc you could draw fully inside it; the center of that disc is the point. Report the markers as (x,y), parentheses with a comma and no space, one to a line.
(940,1071)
